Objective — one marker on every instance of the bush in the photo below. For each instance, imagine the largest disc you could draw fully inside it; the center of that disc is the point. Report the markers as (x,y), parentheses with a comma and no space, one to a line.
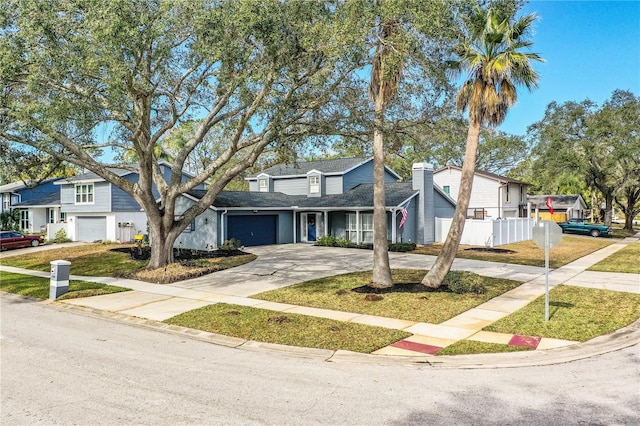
(230,245)
(461,282)
(61,237)
(343,242)
(402,247)
(327,240)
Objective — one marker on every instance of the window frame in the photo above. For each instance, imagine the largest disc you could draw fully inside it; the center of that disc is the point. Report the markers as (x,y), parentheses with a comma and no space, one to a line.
(86,191)
(314,184)
(263,185)
(24,219)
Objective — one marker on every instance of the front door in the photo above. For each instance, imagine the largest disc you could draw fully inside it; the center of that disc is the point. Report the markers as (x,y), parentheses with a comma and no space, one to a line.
(308,227)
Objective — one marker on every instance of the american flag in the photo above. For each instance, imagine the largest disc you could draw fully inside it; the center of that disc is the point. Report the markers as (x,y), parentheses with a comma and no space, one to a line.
(404,213)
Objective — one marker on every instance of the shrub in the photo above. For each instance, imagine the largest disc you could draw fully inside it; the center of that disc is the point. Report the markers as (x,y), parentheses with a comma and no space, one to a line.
(230,245)
(343,242)
(327,240)
(464,282)
(61,237)
(402,247)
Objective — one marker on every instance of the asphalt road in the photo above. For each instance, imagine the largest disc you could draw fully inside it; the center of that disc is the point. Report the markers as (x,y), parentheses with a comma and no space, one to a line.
(61,366)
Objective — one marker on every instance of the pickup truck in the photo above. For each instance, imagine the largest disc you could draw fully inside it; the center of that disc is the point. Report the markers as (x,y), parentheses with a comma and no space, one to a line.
(579,226)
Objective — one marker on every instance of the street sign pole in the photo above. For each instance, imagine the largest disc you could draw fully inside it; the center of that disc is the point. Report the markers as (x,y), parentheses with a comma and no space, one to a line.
(546,272)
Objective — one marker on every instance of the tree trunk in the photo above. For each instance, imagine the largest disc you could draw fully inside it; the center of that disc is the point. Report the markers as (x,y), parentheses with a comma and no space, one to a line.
(381,267)
(161,245)
(445,259)
(608,210)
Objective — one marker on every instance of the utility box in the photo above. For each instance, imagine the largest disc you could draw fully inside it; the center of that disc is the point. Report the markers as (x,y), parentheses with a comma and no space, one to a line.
(59,284)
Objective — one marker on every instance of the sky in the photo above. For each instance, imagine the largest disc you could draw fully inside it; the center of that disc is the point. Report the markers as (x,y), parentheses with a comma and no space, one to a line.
(591,48)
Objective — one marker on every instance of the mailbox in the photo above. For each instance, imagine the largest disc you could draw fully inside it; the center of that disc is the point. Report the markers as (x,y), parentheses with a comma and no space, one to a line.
(59,283)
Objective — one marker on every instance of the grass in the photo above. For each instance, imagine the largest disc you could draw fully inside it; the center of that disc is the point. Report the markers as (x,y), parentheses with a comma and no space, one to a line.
(93,260)
(575,313)
(99,260)
(467,347)
(287,329)
(528,253)
(625,260)
(429,306)
(38,287)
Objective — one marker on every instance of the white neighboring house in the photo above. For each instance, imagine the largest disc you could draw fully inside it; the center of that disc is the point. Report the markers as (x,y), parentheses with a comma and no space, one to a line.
(492,196)
(39,204)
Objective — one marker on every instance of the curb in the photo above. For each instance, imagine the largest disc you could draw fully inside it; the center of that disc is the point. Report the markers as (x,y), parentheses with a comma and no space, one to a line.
(620,339)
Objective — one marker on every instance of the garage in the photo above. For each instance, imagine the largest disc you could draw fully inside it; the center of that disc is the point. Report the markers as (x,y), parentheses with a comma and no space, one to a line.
(92,228)
(253,230)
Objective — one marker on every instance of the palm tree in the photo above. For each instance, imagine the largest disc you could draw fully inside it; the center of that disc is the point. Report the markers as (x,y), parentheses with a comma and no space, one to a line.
(385,79)
(492,54)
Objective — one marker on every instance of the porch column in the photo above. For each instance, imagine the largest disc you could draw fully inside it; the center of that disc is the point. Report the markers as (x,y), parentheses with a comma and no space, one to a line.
(326,222)
(294,226)
(393,227)
(358,230)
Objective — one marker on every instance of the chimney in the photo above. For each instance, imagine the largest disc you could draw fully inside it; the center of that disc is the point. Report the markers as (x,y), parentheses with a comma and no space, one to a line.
(422,180)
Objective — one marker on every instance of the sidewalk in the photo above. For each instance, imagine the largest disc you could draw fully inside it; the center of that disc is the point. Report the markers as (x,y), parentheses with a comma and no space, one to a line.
(159,302)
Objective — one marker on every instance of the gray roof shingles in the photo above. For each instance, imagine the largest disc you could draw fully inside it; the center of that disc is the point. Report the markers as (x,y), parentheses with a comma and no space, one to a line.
(360,196)
(52,199)
(338,165)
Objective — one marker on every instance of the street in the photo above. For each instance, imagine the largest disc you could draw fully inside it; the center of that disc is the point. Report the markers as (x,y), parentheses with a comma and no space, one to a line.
(63,366)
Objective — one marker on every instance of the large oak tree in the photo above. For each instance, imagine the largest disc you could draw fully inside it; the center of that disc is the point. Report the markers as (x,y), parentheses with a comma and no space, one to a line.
(88,81)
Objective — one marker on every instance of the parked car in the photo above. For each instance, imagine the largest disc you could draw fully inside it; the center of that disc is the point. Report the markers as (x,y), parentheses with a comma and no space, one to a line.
(580,226)
(13,239)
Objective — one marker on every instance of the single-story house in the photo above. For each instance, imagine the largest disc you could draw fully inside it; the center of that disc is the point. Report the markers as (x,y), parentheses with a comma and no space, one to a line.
(564,206)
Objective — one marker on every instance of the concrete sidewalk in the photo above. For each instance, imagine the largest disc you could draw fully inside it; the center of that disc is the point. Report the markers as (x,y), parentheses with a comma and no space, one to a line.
(279,266)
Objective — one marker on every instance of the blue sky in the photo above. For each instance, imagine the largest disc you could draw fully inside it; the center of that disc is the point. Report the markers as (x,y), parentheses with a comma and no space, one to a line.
(591,48)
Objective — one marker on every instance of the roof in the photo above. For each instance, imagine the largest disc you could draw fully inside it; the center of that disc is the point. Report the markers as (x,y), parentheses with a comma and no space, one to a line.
(492,176)
(52,199)
(557,201)
(92,177)
(360,196)
(334,166)
(14,186)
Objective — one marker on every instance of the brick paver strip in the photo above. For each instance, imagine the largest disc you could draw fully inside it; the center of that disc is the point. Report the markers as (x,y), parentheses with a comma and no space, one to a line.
(416,347)
(525,341)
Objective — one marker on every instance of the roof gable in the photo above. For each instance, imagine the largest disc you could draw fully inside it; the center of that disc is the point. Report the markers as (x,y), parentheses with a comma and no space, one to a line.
(336,166)
(492,176)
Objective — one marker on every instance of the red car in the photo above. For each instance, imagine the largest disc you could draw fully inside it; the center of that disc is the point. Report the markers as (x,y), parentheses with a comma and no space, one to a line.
(13,239)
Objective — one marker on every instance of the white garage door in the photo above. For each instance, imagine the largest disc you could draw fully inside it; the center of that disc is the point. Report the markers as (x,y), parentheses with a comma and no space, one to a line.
(92,228)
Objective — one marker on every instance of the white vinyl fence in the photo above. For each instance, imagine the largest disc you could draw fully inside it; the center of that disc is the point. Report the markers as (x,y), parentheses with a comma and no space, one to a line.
(488,233)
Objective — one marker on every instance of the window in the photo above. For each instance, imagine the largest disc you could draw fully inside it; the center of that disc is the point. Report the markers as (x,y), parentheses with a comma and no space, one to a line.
(24,219)
(51,216)
(84,194)
(314,184)
(446,189)
(5,201)
(63,217)
(521,194)
(263,185)
(366,227)
(507,199)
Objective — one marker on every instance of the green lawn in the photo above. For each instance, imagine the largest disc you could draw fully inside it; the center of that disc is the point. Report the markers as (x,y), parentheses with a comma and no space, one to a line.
(288,329)
(528,253)
(626,260)
(38,287)
(575,313)
(428,306)
(467,347)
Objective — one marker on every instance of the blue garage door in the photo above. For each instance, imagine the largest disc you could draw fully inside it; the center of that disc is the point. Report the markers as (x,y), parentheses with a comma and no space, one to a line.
(252,230)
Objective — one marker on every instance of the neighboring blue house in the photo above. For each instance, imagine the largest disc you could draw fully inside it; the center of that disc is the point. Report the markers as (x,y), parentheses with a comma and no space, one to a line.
(95,209)
(39,204)
(307,200)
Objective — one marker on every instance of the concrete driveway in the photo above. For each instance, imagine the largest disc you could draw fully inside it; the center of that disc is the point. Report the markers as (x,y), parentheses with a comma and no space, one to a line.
(286,264)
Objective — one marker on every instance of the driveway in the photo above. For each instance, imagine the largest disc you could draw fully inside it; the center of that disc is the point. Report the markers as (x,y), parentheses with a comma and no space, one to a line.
(286,264)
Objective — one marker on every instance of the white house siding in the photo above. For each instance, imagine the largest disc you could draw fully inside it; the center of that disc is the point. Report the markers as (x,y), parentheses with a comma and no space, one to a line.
(487,193)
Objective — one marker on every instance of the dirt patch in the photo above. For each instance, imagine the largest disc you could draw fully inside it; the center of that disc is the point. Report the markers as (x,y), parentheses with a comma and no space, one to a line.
(401,288)
(490,250)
